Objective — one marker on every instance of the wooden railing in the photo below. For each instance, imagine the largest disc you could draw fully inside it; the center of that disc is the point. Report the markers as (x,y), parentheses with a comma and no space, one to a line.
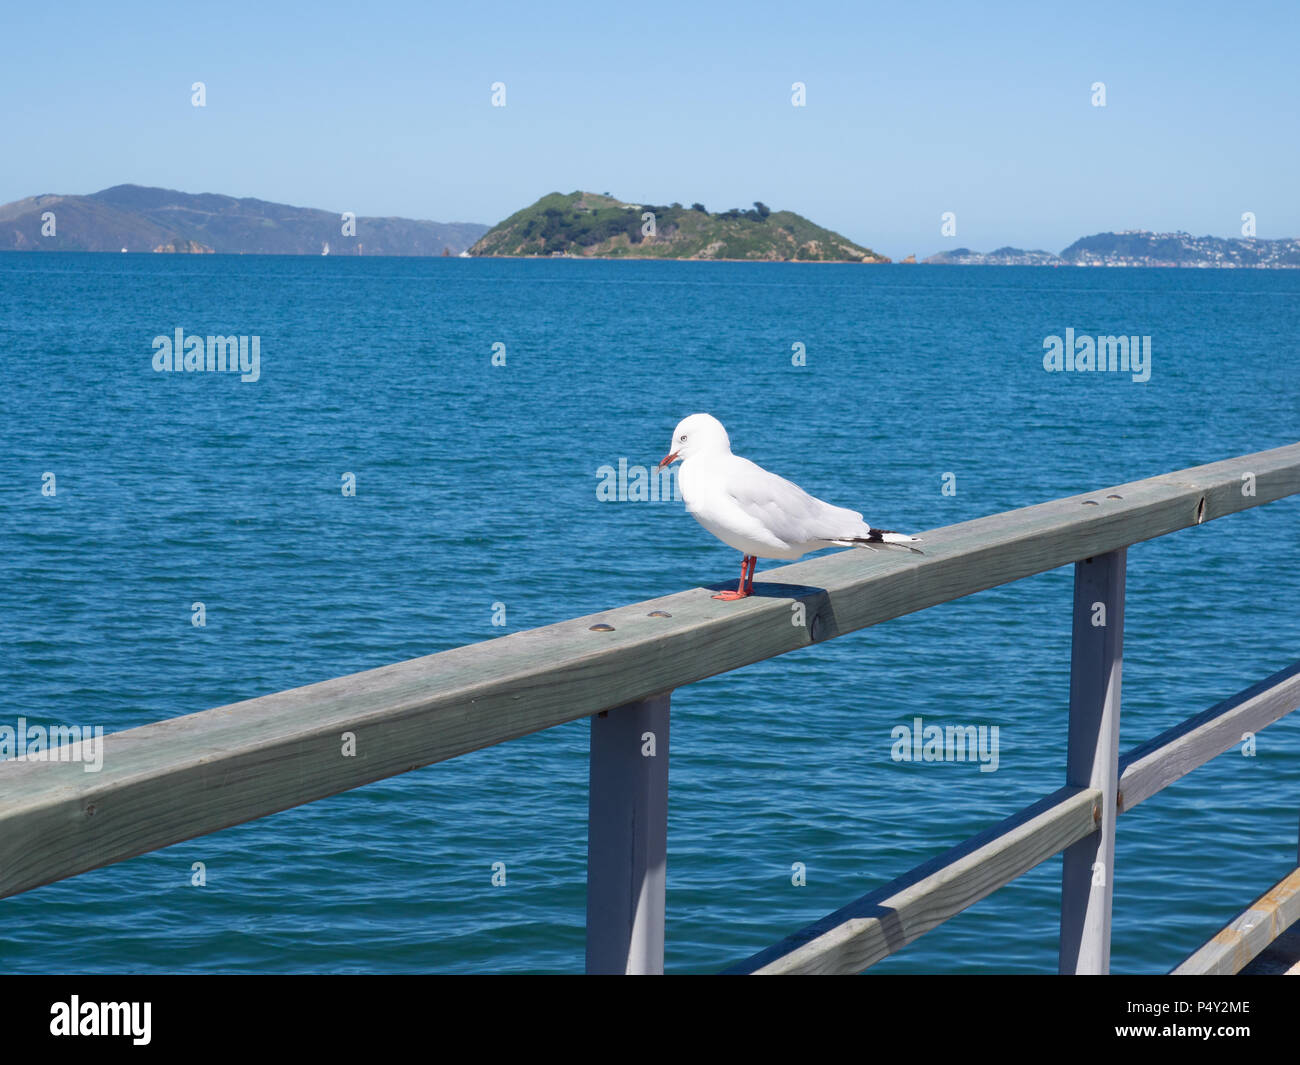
(188,776)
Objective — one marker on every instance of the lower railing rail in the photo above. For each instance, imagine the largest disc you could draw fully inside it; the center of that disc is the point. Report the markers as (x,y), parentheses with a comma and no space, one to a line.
(885,920)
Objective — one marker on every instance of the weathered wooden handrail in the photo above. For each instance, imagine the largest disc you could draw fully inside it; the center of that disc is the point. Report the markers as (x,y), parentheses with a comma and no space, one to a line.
(1177,751)
(1247,934)
(188,776)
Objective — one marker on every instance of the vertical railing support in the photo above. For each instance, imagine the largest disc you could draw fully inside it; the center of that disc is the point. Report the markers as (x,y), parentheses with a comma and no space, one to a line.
(1092,760)
(627,838)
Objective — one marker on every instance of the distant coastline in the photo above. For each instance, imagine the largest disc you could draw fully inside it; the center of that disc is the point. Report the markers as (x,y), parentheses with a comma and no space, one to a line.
(577,225)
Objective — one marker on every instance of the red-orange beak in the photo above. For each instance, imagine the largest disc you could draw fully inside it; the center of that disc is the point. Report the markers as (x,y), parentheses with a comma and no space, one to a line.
(667,459)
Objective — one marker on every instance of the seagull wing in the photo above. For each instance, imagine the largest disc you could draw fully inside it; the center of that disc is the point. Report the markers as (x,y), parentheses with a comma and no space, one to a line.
(786,510)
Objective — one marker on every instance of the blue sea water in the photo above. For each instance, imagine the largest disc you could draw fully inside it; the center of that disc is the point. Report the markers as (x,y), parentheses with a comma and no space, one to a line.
(476,485)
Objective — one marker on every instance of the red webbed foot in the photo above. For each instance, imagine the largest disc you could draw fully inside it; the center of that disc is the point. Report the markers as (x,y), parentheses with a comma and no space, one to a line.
(746,586)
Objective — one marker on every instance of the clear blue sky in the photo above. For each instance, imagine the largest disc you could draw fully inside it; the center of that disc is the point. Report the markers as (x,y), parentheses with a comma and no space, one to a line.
(913,109)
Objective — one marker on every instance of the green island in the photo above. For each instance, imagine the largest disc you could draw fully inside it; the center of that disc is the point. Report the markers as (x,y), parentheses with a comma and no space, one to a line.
(593,225)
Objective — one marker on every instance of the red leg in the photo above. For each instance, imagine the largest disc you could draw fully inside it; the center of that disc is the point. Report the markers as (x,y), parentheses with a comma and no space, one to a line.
(747,565)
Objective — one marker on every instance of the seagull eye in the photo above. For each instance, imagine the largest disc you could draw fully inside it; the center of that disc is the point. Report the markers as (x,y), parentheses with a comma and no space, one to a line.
(682,438)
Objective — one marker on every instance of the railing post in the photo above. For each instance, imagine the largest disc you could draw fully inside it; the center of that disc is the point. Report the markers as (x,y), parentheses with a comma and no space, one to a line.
(1092,761)
(627,838)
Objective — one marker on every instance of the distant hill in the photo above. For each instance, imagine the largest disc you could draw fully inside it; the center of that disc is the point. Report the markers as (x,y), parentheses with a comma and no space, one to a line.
(150,219)
(591,225)
(1141,248)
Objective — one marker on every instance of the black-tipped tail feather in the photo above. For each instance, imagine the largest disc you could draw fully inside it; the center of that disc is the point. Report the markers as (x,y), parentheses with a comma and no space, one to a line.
(884,536)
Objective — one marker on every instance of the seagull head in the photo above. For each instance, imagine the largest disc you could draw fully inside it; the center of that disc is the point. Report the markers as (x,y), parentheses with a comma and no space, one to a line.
(696,435)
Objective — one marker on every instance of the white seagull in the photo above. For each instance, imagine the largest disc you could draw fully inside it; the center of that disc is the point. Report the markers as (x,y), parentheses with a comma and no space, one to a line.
(758,513)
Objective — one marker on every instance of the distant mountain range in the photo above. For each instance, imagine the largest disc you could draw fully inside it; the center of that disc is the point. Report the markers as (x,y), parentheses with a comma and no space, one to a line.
(1138,247)
(137,218)
(593,225)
